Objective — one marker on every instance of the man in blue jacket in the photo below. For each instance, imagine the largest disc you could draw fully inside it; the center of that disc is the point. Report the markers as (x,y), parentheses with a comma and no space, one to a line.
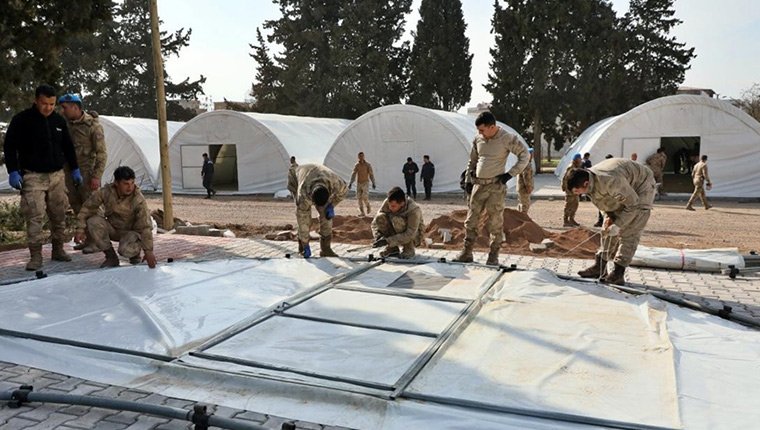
(37,145)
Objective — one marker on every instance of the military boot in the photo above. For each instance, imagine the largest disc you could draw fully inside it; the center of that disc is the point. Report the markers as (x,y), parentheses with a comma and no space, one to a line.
(58,254)
(598,270)
(112,260)
(566,222)
(465,256)
(573,222)
(325,250)
(35,258)
(408,252)
(617,276)
(493,256)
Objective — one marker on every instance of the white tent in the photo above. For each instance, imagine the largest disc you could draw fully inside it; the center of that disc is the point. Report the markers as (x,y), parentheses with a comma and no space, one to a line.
(389,134)
(130,142)
(134,142)
(251,151)
(729,136)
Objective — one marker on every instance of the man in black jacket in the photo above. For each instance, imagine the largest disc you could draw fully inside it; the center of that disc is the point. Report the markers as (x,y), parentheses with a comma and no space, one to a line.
(37,145)
(410,170)
(427,174)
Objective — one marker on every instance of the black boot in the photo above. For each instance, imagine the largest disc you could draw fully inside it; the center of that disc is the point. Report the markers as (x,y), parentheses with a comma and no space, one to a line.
(617,276)
(598,270)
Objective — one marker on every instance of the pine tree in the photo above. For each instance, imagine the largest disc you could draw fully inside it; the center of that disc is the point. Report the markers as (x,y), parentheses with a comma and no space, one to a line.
(440,62)
(32,36)
(340,58)
(113,67)
(266,89)
(659,62)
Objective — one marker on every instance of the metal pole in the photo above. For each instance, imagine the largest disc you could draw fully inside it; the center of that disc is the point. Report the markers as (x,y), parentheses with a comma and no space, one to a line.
(163,134)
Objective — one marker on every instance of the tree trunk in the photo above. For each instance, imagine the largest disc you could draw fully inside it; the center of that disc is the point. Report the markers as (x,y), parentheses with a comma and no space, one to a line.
(537,140)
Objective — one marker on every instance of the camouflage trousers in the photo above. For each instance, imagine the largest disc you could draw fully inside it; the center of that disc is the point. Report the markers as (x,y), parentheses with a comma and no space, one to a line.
(44,193)
(571,205)
(102,233)
(622,247)
(523,197)
(489,197)
(362,196)
(389,226)
(78,194)
(304,224)
(699,193)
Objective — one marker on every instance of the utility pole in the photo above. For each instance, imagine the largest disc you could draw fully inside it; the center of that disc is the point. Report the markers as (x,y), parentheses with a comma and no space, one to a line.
(163,134)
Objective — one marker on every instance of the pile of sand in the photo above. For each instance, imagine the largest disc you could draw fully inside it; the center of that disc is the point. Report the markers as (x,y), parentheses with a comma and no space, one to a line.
(520,231)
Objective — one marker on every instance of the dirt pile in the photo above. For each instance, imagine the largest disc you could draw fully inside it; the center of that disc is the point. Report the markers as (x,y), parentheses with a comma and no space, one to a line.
(349,229)
(520,231)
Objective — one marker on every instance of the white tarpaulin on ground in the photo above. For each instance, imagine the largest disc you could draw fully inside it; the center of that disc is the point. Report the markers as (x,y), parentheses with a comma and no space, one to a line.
(698,260)
(726,134)
(525,350)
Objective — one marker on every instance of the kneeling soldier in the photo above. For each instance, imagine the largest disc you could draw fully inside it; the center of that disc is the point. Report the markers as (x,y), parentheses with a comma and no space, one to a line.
(125,219)
(398,223)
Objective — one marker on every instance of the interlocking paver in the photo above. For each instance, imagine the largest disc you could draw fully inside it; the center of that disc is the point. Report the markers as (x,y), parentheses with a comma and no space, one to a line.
(146,422)
(19,424)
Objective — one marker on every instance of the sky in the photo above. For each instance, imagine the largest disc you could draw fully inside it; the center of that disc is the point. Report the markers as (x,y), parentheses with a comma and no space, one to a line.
(724,33)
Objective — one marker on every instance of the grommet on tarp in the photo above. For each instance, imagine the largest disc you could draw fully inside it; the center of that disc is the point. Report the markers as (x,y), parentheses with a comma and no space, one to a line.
(200,417)
(287,255)
(20,396)
(40,274)
(724,313)
(732,271)
(170,260)
(290,425)
(442,260)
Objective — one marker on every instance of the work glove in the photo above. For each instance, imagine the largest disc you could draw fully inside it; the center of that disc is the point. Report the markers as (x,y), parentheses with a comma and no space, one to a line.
(14,179)
(329,211)
(374,187)
(306,251)
(468,187)
(504,178)
(76,175)
(380,242)
(350,185)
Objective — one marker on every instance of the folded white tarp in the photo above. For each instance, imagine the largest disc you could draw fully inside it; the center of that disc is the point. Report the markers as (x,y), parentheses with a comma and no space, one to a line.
(699,260)
(538,345)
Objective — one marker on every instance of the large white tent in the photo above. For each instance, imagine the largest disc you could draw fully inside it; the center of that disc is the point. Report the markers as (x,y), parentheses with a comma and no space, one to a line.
(251,151)
(389,134)
(726,134)
(130,142)
(134,142)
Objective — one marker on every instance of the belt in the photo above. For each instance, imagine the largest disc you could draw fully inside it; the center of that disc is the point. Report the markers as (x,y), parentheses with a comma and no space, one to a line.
(485,181)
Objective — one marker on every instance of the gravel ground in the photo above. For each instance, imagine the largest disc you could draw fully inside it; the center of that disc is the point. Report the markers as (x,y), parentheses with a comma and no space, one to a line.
(728,224)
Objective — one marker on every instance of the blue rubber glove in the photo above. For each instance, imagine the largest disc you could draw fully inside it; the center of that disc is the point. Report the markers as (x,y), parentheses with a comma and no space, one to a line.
(306,251)
(14,179)
(76,175)
(329,211)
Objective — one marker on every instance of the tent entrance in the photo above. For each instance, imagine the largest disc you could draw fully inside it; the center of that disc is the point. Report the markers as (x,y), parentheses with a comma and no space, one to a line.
(683,154)
(225,166)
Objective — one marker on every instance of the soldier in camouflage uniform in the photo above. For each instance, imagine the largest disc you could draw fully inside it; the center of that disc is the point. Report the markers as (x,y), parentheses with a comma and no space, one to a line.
(125,218)
(37,144)
(320,186)
(656,162)
(525,186)
(624,191)
(486,180)
(398,223)
(700,178)
(363,174)
(90,146)
(571,200)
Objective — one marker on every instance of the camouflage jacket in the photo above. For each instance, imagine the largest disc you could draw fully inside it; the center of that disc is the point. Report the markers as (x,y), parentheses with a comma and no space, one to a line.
(304,178)
(89,144)
(129,213)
